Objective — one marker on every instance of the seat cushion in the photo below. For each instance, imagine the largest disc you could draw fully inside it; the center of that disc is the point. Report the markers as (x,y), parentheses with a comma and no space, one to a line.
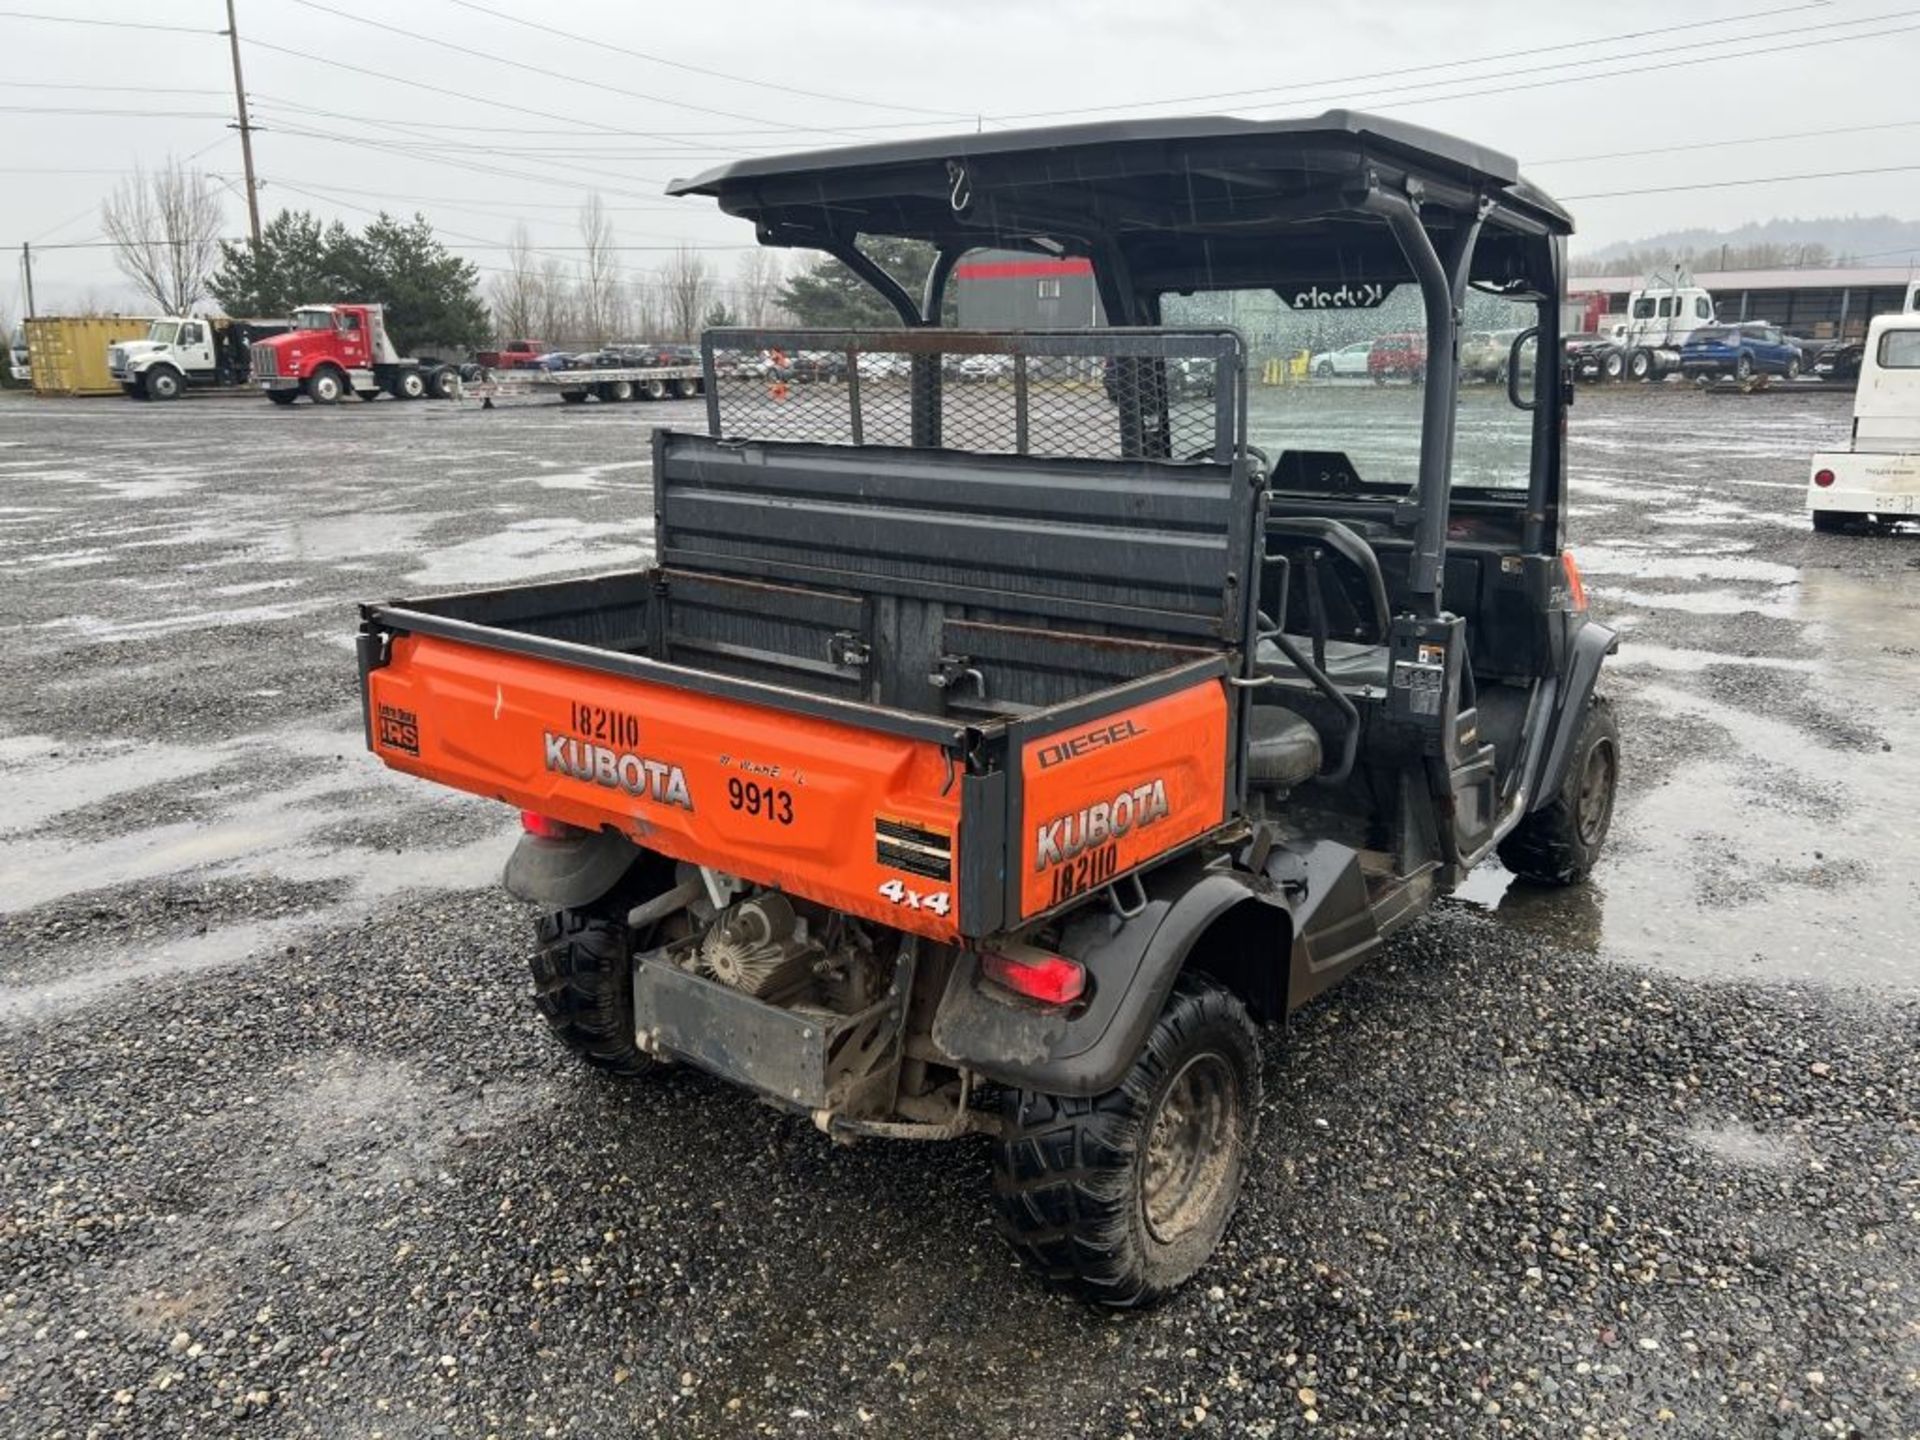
(1283,750)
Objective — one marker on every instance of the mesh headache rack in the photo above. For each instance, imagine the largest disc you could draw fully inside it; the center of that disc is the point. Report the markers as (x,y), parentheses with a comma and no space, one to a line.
(1099,394)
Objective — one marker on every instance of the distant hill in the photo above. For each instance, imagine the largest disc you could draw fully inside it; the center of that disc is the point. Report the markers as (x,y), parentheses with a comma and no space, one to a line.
(1837,240)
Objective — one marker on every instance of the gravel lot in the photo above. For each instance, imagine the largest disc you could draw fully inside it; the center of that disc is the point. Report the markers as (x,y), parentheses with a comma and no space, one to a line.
(285,1151)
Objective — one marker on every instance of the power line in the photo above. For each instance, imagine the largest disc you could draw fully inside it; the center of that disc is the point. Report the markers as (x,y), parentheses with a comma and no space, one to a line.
(1412,69)
(540,69)
(129,89)
(140,114)
(1637,70)
(421,153)
(1729,184)
(1723,144)
(945,115)
(109,24)
(492,102)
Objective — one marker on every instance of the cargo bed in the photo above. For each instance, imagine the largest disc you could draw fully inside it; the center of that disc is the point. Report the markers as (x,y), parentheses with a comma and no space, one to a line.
(948,692)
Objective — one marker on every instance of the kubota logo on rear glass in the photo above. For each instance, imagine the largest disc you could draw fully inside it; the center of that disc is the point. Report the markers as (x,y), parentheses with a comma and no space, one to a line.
(618,770)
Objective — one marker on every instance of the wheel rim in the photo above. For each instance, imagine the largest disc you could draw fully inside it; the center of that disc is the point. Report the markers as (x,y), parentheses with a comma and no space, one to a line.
(1596,793)
(1189,1147)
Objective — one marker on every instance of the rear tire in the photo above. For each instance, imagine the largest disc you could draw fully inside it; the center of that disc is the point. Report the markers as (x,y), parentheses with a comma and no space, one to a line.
(1793,368)
(686,389)
(1614,366)
(1832,522)
(409,385)
(1559,843)
(654,389)
(1641,366)
(617,390)
(1119,1198)
(574,397)
(283,397)
(583,986)
(1743,369)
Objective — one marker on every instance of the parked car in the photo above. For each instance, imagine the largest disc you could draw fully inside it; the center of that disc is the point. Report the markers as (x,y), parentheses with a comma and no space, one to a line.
(986,367)
(1840,360)
(1347,360)
(884,365)
(1401,356)
(553,360)
(1739,352)
(1484,353)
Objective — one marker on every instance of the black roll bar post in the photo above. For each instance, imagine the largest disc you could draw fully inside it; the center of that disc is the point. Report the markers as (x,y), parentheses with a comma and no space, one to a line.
(1443,293)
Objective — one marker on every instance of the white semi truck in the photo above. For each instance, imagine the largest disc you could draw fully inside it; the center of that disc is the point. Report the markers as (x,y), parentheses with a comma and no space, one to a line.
(1660,318)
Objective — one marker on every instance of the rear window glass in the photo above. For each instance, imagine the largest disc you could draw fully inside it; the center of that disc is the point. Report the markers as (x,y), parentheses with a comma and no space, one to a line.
(1714,332)
(1900,350)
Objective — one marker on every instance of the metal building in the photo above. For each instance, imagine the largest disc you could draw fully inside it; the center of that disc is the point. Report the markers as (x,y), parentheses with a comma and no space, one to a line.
(1018,290)
(1815,304)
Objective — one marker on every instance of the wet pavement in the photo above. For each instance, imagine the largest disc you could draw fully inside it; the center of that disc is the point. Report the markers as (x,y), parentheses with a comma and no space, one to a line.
(1642,1154)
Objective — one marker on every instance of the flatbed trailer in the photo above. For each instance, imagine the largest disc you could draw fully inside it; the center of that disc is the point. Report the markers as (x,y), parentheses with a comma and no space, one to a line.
(631,382)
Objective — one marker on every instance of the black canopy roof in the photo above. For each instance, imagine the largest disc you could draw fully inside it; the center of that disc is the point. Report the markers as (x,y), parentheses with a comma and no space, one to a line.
(1187,203)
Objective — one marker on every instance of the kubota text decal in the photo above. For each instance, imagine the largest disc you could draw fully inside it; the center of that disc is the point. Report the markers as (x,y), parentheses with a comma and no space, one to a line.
(1100,800)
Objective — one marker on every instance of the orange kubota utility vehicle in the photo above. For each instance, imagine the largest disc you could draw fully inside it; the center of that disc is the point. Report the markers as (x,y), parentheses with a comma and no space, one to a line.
(996,755)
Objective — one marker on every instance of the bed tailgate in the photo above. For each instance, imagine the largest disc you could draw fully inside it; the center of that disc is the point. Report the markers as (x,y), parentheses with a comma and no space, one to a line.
(861,819)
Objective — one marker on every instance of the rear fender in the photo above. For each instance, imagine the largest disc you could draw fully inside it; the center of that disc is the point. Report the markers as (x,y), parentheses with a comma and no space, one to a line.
(570,873)
(1131,966)
(1592,642)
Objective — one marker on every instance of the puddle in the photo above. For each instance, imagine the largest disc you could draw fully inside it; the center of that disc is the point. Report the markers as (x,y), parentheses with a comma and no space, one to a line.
(1646,565)
(1738,1143)
(544,546)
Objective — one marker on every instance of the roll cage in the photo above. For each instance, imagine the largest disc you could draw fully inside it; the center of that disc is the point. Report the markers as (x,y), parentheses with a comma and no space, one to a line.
(1328,212)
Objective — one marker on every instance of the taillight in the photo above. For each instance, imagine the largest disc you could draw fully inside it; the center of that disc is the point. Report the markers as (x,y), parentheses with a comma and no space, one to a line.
(1576,588)
(1823,478)
(1050,979)
(545,826)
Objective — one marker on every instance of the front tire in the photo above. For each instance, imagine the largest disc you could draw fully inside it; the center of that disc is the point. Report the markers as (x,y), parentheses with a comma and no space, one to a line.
(161,384)
(583,986)
(1743,369)
(1119,1198)
(283,397)
(325,387)
(1559,843)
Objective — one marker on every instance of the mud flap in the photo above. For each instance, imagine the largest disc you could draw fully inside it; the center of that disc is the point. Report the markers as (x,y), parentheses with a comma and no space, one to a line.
(567,874)
(1131,965)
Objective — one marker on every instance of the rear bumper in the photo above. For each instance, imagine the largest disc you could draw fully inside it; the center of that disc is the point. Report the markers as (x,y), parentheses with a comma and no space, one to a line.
(1866,484)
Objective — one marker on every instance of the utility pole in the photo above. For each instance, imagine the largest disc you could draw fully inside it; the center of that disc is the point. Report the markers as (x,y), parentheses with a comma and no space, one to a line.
(246,129)
(26,264)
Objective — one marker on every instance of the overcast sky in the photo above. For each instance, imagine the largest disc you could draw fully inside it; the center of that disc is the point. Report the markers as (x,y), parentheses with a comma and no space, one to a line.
(1555,85)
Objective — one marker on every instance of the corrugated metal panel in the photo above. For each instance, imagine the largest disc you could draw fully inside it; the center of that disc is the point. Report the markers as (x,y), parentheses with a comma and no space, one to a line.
(69,352)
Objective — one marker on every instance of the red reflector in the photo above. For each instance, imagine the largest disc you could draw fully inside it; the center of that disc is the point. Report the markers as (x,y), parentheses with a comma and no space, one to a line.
(1823,478)
(545,826)
(1050,979)
(1576,588)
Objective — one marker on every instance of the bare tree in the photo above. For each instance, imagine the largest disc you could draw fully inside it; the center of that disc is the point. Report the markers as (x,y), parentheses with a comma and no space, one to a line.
(165,230)
(686,283)
(516,289)
(757,286)
(600,283)
(556,310)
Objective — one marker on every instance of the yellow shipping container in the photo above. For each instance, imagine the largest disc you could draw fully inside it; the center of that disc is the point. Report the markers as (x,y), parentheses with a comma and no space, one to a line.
(69,353)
